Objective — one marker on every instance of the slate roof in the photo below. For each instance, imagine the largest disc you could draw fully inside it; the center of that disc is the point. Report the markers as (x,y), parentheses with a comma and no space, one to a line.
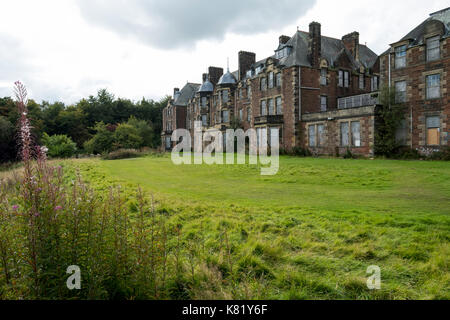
(187,93)
(417,34)
(227,78)
(331,49)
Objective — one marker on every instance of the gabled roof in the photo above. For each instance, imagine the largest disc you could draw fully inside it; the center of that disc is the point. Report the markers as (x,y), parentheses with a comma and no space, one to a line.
(187,93)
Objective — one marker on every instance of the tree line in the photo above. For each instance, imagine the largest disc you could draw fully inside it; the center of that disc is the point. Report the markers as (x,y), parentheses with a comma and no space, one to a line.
(97,124)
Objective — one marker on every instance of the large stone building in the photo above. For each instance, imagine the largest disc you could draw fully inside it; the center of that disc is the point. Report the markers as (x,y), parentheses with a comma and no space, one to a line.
(417,67)
(322,93)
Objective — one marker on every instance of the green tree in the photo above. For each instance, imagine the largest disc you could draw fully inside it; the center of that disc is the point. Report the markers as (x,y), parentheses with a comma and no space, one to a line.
(389,115)
(127,137)
(102,140)
(144,130)
(7,141)
(59,146)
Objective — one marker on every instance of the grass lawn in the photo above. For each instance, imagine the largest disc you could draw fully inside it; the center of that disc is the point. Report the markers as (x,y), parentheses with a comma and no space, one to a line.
(309,232)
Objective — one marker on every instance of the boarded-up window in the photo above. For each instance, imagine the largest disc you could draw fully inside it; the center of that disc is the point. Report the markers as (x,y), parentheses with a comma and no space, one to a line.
(344,134)
(401,134)
(356,134)
(312,136)
(433,131)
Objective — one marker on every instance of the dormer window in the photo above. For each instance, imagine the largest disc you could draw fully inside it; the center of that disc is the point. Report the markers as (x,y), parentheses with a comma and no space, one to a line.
(249,73)
(258,70)
(400,57)
(282,53)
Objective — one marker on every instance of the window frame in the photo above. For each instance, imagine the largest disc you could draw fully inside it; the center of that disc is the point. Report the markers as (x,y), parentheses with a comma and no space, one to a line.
(270,81)
(279,111)
(400,98)
(429,88)
(323,76)
(270,107)
(400,56)
(278,80)
(436,48)
(261,108)
(323,107)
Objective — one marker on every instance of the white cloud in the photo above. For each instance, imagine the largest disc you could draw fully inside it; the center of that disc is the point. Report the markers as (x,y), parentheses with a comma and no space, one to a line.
(50,46)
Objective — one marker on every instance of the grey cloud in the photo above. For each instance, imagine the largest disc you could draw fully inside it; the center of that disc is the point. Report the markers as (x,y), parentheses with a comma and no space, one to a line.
(181,23)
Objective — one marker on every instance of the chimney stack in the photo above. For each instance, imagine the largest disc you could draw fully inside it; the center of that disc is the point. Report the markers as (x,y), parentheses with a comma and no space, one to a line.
(284,39)
(246,60)
(176,93)
(351,42)
(315,43)
(215,74)
(204,77)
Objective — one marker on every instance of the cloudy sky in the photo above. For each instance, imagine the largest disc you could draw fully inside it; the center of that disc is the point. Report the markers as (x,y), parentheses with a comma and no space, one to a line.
(64,50)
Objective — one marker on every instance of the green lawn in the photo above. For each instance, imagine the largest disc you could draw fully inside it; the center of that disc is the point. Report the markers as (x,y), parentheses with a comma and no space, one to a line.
(309,232)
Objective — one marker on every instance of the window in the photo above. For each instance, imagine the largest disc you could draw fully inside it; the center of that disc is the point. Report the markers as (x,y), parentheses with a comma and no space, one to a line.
(400,57)
(263,84)
(323,103)
(241,93)
(356,134)
(204,120)
(344,134)
(224,96)
(433,86)
(270,80)
(401,133)
(433,49)
(168,142)
(249,115)
(241,114)
(323,76)
(341,78)
(374,83)
(249,92)
(249,74)
(225,116)
(433,131)
(279,106)
(346,79)
(400,91)
(316,135)
(263,108)
(278,79)
(271,107)
(312,136)
(361,81)
(204,101)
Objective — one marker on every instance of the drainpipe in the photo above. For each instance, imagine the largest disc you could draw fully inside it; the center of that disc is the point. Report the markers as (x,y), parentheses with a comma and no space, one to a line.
(389,74)
(299,99)
(411,124)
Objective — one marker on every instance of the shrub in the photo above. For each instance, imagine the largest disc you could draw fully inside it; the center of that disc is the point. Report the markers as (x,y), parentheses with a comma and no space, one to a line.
(101,142)
(127,137)
(122,154)
(59,146)
(443,154)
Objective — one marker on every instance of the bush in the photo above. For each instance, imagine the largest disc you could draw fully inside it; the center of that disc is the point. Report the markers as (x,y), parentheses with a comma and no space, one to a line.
(101,142)
(122,154)
(127,137)
(444,154)
(59,146)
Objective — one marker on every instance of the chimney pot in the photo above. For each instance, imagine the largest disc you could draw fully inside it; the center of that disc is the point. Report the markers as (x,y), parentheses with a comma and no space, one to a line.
(284,39)
(246,60)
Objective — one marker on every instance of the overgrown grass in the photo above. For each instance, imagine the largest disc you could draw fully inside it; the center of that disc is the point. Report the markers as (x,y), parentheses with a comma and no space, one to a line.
(309,232)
